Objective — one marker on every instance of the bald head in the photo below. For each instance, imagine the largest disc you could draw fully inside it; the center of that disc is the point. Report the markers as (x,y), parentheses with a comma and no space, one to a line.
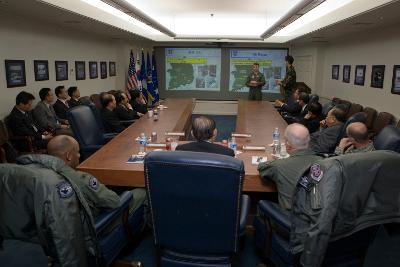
(358,131)
(66,148)
(297,136)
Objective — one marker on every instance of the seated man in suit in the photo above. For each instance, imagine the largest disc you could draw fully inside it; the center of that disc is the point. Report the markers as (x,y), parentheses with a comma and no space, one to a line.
(357,140)
(326,139)
(124,110)
(64,158)
(138,102)
(291,107)
(303,103)
(74,95)
(205,132)
(21,123)
(312,118)
(45,115)
(95,98)
(111,122)
(61,105)
(286,172)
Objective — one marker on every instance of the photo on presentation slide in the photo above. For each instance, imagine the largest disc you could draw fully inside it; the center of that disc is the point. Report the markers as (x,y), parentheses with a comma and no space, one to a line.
(193,69)
(272,66)
(396,80)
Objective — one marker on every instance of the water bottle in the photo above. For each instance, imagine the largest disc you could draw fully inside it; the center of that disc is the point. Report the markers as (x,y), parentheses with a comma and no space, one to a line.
(276,145)
(232,144)
(142,143)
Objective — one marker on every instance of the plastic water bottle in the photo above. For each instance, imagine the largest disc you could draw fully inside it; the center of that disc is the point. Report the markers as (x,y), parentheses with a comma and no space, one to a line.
(276,142)
(232,144)
(142,143)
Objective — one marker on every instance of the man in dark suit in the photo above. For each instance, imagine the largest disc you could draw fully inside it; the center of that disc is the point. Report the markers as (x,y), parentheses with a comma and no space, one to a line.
(124,110)
(74,95)
(205,132)
(326,139)
(61,105)
(21,123)
(138,102)
(110,118)
(312,118)
(46,117)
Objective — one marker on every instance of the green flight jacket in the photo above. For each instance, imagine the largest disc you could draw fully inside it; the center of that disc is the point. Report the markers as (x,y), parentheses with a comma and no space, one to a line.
(257,77)
(286,172)
(289,82)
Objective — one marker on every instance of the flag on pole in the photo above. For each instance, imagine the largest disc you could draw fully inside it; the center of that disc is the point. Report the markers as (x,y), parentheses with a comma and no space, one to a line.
(143,77)
(132,81)
(152,81)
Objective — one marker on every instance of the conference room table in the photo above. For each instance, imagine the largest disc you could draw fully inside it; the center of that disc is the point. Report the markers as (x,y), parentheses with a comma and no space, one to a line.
(258,118)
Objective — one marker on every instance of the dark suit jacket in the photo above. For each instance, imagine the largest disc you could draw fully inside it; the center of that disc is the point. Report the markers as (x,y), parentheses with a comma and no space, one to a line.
(125,114)
(139,107)
(311,124)
(293,109)
(60,109)
(73,103)
(111,121)
(22,124)
(326,140)
(46,117)
(204,146)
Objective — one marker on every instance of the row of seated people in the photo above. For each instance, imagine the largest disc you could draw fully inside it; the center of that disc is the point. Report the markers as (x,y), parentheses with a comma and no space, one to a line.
(46,119)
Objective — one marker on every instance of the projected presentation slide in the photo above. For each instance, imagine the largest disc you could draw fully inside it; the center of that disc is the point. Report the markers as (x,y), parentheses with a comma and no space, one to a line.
(272,65)
(193,69)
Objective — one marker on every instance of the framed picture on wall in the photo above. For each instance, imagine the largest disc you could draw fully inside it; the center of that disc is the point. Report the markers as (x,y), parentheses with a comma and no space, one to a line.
(93,72)
(80,71)
(346,73)
(359,76)
(61,70)
(377,76)
(15,73)
(41,68)
(103,70)
(112,68)
(396,80)
(335,72)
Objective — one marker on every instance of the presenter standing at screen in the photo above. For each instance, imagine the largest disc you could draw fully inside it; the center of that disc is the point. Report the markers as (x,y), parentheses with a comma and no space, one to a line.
(255,81)
(289,82)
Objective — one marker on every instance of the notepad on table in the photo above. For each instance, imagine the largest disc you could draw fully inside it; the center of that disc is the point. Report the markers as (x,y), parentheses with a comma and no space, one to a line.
(136,159)
(255,160)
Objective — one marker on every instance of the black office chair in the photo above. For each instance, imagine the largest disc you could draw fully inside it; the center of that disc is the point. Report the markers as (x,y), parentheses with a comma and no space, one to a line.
(388,139)
(198,211)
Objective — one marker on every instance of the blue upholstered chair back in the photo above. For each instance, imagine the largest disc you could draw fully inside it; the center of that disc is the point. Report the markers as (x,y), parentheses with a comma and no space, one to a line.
(388,139)
(97,115)
(85,126)
(195,201)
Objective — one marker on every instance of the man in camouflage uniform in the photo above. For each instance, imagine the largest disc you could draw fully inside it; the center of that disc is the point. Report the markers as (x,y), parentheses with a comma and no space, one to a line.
(289,82)
(255,81)
(356,141)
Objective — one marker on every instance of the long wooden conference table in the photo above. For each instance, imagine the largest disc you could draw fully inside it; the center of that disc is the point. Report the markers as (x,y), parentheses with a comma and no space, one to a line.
(258,118)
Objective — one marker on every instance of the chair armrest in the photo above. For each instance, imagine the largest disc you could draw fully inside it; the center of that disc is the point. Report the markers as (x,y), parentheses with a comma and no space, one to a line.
(91,148)
(105,218)
(108,136)
(272,211)
(244,211)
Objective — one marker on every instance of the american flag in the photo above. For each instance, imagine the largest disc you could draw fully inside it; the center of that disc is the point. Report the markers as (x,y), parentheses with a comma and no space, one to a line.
(132,81)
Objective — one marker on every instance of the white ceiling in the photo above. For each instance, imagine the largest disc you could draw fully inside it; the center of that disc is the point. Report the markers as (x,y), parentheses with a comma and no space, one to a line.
(192,18)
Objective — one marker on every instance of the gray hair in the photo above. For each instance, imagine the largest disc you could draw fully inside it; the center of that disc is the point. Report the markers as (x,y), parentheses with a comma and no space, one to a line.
(297,135)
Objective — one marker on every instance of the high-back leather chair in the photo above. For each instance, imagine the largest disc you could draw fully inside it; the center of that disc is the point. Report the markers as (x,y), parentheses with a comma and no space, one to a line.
(371,115)
(381,121)
(313,98)
(398,124)
(51,210)
(86,129)
(337,207)
(388,139)
(354,108)
(197,209)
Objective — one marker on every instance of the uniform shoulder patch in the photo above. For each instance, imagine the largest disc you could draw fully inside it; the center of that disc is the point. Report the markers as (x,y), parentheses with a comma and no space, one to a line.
(65,190)
(316,172)
(93,183)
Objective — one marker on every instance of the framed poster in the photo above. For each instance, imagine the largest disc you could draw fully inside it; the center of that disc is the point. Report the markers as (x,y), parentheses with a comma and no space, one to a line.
(112,69)
(335,72)
(103,70)
(41,68)
(377,76)
(396,80)
(15,73)
(359,76)
(61,70)
(346,73)
(93,72)
(80,71)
